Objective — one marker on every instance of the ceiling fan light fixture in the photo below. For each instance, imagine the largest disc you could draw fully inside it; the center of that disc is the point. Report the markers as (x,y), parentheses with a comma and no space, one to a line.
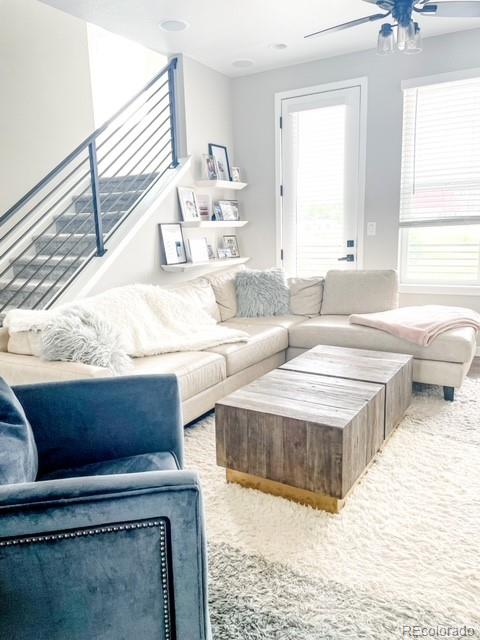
(415,45)
(386,40)
(405,34)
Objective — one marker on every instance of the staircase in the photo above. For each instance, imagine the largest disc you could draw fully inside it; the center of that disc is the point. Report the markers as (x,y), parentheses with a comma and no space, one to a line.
(66,221)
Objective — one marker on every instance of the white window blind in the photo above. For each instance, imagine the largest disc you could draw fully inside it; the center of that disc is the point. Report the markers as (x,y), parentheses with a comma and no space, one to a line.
(440,186)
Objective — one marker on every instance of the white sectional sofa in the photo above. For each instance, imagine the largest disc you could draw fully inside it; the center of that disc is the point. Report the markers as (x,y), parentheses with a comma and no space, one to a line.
(320,312)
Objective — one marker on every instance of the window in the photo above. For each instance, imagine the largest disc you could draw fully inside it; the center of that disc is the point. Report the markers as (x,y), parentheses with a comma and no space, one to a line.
(440,188)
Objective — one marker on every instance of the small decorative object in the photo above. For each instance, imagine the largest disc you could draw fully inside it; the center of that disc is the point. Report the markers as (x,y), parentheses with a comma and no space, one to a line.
(222,254)
(231,244)
(173,245)
(198,249)
(188,203)
(217,212)
(229,209)
(204,202)
(211,253)
(221,157)
(209,167)
(236,174)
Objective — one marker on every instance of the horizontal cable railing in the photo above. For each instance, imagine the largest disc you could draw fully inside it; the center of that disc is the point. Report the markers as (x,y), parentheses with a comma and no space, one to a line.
(78,206)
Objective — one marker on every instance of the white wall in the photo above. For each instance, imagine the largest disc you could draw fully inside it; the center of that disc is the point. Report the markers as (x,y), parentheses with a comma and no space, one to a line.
(254,138)
(119,68)
(45,96)
(208,118)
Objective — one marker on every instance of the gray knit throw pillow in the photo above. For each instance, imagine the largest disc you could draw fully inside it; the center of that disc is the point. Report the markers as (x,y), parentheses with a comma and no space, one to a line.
(261,293)
(77,335)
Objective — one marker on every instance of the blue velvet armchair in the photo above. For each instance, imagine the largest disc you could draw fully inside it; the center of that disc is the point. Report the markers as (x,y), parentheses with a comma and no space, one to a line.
(101,533)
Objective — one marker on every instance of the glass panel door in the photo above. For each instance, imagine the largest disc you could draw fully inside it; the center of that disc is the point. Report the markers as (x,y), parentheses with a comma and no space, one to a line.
(320,181)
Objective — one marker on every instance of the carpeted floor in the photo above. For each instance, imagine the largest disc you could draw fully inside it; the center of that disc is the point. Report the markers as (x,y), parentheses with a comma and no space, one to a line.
(405,550)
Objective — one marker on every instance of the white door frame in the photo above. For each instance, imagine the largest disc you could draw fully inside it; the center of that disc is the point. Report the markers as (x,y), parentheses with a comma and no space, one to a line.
(362,153)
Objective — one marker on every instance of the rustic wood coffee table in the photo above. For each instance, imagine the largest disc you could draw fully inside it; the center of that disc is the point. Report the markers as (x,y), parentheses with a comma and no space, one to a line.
(306,436)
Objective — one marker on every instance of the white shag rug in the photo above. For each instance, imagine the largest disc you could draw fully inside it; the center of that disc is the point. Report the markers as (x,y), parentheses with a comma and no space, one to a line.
(404,550)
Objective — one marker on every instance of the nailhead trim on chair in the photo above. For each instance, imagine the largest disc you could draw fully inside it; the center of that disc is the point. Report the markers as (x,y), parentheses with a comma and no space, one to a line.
(53,537)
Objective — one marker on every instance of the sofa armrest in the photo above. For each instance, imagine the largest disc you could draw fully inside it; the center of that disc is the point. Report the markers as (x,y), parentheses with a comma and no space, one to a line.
(111,556)
(85,421)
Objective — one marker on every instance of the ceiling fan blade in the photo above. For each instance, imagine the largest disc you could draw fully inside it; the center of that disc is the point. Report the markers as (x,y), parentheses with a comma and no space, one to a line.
(347,25)
(468,9)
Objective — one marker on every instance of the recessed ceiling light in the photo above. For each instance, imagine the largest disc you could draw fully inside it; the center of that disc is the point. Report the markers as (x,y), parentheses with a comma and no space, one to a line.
(173,24)
(243,64)
(278,46)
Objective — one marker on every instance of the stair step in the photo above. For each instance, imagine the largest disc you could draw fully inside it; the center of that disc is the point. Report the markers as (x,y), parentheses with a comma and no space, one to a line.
(109,202)
(51,267)
(32,293)
(126,183)
(65,243)
(85,222)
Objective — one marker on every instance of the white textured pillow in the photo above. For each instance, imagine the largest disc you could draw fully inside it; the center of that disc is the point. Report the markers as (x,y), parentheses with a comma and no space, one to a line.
(347,292)
(199,291)
(223,285)
(305,296)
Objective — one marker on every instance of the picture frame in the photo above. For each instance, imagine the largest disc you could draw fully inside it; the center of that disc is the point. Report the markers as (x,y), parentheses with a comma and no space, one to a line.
(230,243)
(188,203)
(229,209)
(198,249)
(236,175)
(211,253)
(209,167)
(217,212)
(172,242)
(204,202)
(220,153)
(222,254)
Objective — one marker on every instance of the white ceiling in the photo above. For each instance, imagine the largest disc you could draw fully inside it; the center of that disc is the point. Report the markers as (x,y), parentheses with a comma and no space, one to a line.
(222,31)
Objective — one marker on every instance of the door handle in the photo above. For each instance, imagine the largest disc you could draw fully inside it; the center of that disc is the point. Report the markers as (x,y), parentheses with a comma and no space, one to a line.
(348,258)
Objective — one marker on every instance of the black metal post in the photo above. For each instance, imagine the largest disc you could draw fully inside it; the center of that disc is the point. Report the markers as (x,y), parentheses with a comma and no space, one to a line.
(173,110)
(97,211)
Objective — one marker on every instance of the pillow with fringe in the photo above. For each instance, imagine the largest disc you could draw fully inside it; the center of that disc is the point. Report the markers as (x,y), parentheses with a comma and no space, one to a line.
(82,336)
(261,293)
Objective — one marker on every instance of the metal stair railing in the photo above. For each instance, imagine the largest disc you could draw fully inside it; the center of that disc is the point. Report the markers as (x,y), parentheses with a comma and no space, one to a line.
(108,173)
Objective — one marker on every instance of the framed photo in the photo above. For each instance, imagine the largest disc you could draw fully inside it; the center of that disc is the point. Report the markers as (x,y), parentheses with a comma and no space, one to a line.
(222,254)
(198,249)
(188,203)
(211,253)
(173,244)
(230,243)
(204,202)
(229,209)
(209,167)
(217,212)
(220,154)
(236,174)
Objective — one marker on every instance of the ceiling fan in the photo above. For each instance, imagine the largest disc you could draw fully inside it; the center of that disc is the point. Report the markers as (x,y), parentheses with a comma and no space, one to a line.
(402,12)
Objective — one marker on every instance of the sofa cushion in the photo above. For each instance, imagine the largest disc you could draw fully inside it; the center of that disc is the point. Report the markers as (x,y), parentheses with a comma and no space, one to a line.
(347,292)
(305,296)
(195,370)
(199,291)
(161,461)
(18,452)
(272,321)
(457,345)
(223,285)
(26,343)
(265,341)
(262,293)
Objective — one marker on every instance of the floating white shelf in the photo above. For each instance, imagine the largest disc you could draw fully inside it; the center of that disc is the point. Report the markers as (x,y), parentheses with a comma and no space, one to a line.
(213,224)
(211,264)
(221,184)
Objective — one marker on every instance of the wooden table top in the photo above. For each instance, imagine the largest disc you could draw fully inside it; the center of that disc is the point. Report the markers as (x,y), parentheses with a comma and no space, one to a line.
(304,396)
(356,364)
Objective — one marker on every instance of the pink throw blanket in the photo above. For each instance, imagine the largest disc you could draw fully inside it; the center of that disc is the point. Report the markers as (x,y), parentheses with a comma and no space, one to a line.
(419,325)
